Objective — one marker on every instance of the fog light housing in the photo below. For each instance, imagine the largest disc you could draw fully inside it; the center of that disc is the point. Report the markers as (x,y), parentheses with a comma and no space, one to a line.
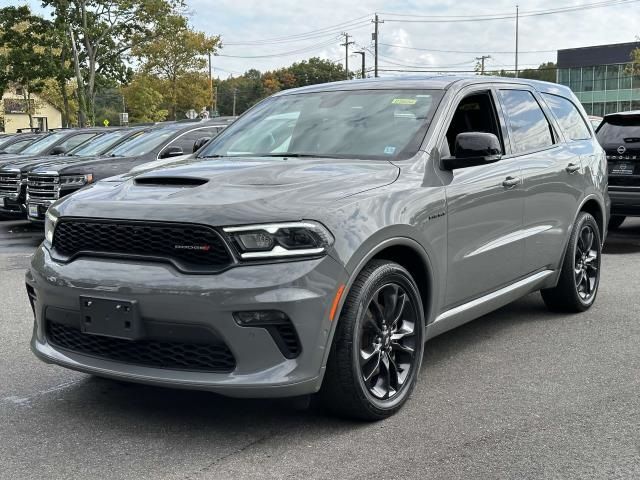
(278,325)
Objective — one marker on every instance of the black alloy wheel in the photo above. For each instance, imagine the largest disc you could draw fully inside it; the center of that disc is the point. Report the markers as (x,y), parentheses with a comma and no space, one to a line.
(388,341)
(377,346)
(587,263)
(579,277)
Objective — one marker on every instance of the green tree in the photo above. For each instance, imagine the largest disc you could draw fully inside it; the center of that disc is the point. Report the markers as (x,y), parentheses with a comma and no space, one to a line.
(144,99)
(315,70)
(177,54)
(63,98)
(546,72)
(102,34)
(28,48)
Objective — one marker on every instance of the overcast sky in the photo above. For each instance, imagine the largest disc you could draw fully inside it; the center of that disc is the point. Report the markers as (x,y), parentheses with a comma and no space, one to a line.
(268,24)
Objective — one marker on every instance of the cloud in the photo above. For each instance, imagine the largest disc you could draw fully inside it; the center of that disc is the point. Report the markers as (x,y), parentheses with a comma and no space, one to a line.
(245,21)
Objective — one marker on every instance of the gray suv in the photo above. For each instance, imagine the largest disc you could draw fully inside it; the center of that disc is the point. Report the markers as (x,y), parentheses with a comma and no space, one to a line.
(317,243)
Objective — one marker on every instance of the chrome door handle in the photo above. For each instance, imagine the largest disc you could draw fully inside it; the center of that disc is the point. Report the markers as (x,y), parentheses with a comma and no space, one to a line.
(510,182)
(572,168)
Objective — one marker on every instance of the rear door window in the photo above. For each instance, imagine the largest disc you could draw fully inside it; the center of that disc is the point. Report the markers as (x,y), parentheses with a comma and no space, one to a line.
(569,118)
(530,129)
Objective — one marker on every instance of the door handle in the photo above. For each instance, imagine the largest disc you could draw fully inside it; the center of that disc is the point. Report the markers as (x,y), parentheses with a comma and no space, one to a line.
(572,168)
(510,182)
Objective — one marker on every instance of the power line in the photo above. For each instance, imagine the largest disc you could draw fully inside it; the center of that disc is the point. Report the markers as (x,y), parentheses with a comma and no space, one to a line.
(306,35)
(462,51)
(483,18)
(308,48)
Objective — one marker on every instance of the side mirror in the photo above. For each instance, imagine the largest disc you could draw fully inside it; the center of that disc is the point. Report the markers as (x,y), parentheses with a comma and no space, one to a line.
(172,151)
(199,143)
(58,150)
(473,148)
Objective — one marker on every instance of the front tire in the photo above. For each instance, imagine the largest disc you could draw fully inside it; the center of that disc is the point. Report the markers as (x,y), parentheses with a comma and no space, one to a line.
(580,275)
(378,345)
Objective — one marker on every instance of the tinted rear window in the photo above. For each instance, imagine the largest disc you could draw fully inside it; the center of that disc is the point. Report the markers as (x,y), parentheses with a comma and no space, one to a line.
(568,116)
(530,129)
(620,130)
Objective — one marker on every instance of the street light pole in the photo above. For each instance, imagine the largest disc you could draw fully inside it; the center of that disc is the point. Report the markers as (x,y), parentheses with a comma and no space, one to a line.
(211,87)
(362,75)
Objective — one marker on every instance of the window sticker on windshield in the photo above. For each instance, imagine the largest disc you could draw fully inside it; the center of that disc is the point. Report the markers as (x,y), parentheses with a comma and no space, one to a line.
(389,150)
(404,101)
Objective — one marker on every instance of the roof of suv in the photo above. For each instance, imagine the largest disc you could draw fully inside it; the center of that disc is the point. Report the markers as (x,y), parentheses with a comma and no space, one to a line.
(632,113)
(434,82)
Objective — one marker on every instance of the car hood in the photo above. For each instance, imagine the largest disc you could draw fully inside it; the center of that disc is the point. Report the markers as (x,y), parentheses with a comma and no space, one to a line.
(219,191)
(10,159)
(70,163)
(27,164)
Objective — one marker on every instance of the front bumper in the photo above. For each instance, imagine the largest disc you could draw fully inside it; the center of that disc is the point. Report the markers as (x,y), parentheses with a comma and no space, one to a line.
(625,201)
(303,290)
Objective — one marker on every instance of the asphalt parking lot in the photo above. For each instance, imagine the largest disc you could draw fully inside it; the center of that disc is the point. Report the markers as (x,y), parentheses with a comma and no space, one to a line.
(521,393)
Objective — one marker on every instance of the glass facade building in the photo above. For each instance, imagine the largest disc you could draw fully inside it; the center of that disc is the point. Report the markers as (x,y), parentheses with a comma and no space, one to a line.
(601,77)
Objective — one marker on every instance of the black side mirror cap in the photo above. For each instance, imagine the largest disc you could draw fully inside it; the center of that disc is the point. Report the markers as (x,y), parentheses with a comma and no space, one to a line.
(473,148)
(172,151)
(199,143)
(58,150)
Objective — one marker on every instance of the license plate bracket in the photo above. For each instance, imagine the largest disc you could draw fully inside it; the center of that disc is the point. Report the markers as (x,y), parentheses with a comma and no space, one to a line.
(622,168)
(110,318)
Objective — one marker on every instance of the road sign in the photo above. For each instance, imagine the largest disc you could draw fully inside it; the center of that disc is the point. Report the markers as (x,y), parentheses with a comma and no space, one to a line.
(191,114)
(105,122)
(124,118)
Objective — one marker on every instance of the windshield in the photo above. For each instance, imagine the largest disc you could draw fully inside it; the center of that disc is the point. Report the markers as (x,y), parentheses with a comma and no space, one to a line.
(375,124)
(17,146)
(143,143)
(43,144)
(100,144)
(620,130)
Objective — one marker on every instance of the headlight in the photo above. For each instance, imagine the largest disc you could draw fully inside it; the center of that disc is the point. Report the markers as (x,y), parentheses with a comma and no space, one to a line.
(75,180)
(50,220)
(280,240)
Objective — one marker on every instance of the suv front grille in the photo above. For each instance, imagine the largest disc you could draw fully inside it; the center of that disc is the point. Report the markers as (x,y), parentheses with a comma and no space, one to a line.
(160,354)
(194,248)
(9,184)
(43,189)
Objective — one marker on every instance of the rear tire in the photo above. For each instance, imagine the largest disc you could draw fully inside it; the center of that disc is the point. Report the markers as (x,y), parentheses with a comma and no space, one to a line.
(616,221)
(378,345)
(580,275)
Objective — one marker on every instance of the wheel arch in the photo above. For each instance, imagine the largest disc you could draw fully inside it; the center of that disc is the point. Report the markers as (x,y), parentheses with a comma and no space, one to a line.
(593,206)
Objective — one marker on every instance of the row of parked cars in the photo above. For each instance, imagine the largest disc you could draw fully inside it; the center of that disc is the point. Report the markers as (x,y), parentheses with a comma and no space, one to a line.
(38,169)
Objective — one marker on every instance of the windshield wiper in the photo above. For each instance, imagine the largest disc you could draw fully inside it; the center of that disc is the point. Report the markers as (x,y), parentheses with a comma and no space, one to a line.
(215,155)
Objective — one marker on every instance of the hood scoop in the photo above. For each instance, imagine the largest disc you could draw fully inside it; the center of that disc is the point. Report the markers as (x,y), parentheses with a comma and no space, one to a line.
(171,181)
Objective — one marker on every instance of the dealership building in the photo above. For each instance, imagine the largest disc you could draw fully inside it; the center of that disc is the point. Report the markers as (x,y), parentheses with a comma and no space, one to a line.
(601,77)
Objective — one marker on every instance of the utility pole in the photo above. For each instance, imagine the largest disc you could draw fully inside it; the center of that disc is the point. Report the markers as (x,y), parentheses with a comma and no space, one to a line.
(362,75)
(374,37)
(517,21)
(235,94)
(346,52)
(211,87)
(481,60)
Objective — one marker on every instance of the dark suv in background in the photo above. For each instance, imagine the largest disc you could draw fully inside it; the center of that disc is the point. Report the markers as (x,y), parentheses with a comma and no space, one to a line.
(316,244)
(619,135)
(13,185)
(52,180)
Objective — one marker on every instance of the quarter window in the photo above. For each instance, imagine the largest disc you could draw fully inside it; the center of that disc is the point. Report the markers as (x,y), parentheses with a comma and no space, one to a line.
(530,129)
(568,116)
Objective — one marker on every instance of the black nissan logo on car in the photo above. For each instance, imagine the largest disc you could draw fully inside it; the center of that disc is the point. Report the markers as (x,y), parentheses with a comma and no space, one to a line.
(622,149)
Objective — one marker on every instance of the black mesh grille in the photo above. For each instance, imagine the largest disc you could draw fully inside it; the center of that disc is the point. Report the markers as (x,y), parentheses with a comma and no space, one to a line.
(290,344)
(192,247)
(161,354)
